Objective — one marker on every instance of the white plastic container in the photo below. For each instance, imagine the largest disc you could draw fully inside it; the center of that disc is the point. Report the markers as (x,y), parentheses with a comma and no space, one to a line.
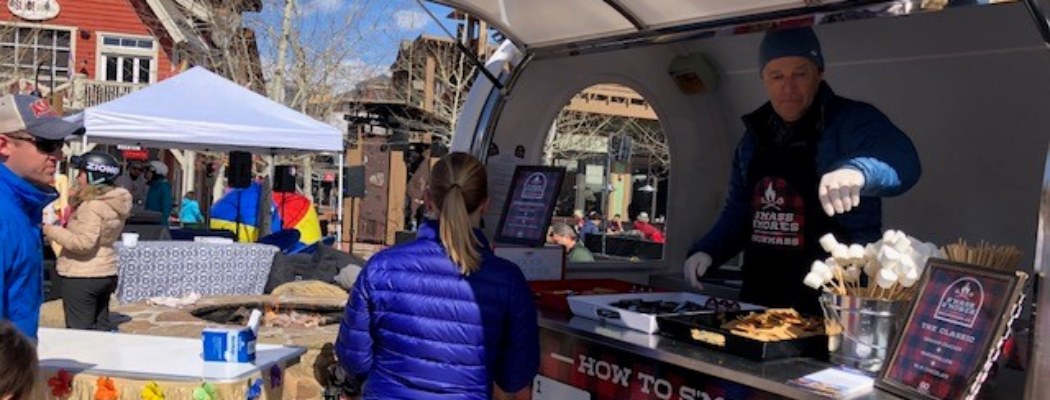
(129,239)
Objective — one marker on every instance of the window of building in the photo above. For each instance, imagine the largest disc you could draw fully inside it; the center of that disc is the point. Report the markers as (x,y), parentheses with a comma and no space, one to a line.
(129,59)
(36,53)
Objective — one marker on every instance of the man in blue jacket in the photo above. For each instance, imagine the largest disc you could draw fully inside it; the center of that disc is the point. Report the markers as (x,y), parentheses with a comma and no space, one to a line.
(158,198)
(31,138)
(809,163)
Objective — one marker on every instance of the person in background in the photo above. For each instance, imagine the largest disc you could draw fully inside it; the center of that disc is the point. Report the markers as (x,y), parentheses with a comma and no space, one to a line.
(159,196)
(577,220)
(421,213)
(615,225)
(810,163)
(591,226)
(31,139)
(564,236)
(190,210)
(133,181)
(442,317)
(18,364)
(650,232)
(88,261)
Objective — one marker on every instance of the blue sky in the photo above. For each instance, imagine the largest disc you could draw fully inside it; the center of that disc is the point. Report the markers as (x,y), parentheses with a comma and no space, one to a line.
(370,30)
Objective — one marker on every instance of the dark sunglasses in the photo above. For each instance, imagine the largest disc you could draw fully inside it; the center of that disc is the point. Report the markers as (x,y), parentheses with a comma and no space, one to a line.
(47,146)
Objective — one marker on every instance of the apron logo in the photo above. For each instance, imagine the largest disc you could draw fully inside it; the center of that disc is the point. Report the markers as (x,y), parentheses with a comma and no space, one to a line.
(779,214)
(961,302)
(770,200)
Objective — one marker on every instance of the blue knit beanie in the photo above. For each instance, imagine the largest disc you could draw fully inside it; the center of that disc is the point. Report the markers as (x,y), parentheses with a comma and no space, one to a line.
(800,42)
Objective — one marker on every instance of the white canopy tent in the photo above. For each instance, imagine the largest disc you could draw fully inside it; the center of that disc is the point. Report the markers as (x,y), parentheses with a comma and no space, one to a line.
(198,110)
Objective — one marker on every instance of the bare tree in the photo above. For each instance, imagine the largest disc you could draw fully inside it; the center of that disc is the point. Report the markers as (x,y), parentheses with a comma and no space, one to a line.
(323,49)
(581,134)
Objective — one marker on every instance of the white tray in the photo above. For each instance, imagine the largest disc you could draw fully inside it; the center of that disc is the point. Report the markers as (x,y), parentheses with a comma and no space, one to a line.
(597,307)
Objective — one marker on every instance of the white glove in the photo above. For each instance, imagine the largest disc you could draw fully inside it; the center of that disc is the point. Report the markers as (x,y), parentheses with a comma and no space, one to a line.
(839,190)
(695,266)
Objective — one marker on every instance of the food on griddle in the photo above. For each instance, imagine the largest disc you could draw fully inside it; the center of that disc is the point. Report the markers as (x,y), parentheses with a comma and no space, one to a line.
(658,306)
(775,324)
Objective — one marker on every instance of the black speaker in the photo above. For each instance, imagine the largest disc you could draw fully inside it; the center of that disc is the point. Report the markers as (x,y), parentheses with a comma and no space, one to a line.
(354,181)
(239,173)
(439,150)
(284,179)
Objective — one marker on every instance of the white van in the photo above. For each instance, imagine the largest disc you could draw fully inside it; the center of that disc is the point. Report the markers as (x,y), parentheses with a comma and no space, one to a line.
(969,82)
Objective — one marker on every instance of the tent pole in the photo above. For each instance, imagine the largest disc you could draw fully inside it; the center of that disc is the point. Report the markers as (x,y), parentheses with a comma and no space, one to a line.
(339,202)
(272,168)
(189,171)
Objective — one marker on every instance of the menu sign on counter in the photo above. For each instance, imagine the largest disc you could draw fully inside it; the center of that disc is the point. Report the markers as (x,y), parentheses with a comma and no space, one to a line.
(529,205)
(958,318)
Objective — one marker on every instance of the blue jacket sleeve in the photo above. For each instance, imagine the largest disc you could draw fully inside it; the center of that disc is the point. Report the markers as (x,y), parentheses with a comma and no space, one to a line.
(881,151)
(726,239)
(520,360)
(6,292)
(353,347)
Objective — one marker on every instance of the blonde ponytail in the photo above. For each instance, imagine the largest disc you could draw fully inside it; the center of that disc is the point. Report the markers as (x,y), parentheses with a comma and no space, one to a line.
(457,233)
(458,187)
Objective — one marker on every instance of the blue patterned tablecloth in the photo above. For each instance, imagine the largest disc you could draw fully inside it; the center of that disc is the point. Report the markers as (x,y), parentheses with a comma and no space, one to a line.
(153,269)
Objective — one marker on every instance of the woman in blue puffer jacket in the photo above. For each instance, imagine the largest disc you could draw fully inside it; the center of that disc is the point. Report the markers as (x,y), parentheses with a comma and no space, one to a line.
(442,317)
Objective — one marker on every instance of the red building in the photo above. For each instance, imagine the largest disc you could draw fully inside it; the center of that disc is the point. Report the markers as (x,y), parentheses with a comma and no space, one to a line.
(95,50)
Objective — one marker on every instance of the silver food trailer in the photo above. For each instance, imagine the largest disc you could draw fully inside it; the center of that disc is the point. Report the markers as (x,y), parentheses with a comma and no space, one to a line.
(968,81)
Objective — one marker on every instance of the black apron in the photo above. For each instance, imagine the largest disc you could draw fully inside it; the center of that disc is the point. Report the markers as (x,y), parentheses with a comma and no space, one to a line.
(787,221)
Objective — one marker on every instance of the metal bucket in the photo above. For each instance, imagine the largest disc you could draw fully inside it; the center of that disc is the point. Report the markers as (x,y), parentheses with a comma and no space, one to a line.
(869,327)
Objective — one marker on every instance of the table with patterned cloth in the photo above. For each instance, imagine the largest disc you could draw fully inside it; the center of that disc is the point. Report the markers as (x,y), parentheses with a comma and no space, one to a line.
(152,269)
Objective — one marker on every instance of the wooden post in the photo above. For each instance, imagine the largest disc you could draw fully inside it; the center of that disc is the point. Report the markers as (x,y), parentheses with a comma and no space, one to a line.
(351,207)
(397,186)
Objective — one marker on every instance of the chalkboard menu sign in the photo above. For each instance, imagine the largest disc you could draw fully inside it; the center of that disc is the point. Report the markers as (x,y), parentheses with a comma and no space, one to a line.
(529,205)
(954,331)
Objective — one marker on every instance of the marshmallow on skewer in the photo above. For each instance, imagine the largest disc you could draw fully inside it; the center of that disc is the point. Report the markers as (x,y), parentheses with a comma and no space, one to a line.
(887,278)
(909,279)
(902,243)
(814,280)
(888,254)
(910,260)
(896,266)
(903,266)
(856,253)
(889,237)
(870,251)
(841,254)
(871,268)
(823,269)
(828,242)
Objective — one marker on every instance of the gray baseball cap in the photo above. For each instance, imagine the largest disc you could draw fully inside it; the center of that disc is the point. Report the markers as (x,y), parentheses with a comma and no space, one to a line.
(19,112)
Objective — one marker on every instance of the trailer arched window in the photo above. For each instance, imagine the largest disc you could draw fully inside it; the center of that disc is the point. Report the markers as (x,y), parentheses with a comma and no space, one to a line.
(610,141)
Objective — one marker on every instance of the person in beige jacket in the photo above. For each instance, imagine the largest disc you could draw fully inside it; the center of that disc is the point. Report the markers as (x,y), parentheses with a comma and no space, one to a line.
(87,262)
